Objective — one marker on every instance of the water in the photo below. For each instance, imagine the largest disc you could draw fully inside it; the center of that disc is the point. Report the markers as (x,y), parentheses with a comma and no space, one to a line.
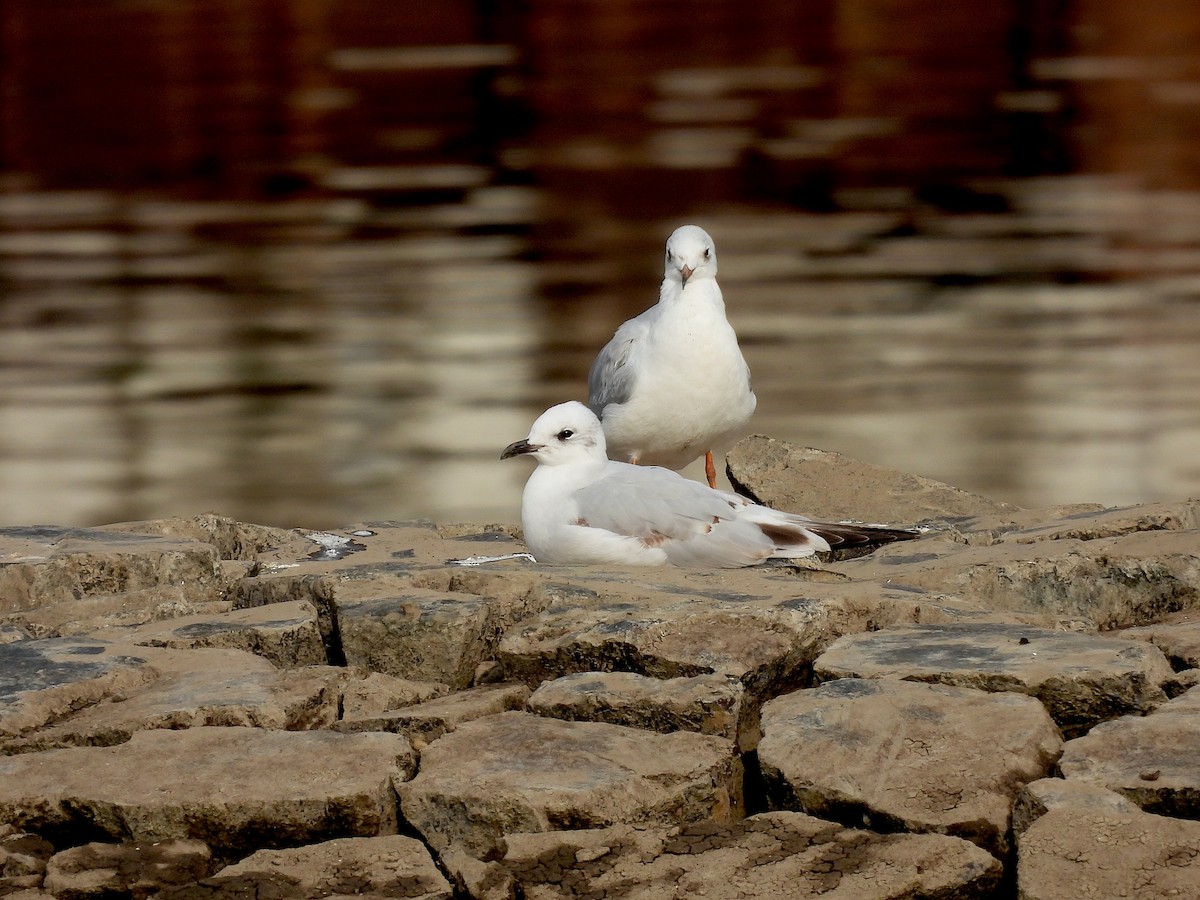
(270,362)
(317,293)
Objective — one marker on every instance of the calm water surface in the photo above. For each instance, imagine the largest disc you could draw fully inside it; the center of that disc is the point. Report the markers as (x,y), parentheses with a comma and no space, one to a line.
(320,363)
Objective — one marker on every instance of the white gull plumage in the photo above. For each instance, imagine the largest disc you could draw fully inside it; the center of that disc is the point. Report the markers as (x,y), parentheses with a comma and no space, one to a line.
(672,384)
(580,507)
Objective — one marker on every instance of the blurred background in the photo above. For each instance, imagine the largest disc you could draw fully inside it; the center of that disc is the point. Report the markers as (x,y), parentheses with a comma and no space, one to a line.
(311,263)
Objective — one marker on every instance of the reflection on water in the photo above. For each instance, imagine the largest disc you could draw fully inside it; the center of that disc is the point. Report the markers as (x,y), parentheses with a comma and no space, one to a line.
(308,264)
(317,363)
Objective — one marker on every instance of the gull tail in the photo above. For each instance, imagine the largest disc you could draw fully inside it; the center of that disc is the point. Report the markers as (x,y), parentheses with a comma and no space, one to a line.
(795,536)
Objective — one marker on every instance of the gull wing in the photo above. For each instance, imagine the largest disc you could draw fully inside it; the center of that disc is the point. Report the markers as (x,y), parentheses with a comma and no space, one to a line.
(611,378)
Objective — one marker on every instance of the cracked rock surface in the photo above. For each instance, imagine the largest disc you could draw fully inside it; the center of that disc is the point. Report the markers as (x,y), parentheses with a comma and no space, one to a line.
(200,707)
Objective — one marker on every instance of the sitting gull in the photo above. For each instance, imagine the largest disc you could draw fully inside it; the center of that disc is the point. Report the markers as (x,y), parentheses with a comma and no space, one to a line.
(672,383)
(580,507)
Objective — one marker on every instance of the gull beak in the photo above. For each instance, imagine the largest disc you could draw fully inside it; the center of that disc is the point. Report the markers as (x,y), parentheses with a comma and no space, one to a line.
(685,272)
(516,448)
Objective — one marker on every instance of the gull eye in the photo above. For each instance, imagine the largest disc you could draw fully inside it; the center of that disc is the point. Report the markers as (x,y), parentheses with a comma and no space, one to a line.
(565,434)
(707,252)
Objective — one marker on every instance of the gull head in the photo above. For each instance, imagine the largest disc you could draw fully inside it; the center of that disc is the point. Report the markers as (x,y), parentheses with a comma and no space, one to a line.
(691,255)
(567,433)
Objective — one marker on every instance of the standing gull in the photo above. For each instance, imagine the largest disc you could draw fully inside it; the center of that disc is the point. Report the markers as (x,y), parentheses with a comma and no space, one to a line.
(672,383)
(580,508)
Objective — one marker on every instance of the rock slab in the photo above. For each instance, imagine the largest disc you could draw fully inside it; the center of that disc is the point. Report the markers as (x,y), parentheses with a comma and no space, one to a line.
(900,756)
(516,772)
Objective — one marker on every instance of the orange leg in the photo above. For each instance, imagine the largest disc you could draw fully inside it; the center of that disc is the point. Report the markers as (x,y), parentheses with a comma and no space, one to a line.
(710,470)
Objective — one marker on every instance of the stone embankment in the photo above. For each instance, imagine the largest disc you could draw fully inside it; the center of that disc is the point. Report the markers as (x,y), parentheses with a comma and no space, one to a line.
(1008,707)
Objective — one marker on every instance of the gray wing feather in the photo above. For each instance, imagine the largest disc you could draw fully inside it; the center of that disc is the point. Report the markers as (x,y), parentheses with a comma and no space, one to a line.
(647,501)
(611,379)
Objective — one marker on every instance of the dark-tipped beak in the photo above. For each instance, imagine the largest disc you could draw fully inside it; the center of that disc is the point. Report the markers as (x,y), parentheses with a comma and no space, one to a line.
(516,448)
(685,272)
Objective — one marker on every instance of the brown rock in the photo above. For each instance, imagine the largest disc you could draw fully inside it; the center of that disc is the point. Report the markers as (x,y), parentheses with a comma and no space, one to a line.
(1081,853)
(1178,636)
(418,634)
(48,565)
(1081,679)
(23,859)
(708,704)
(1107,583)
(44,681)
(428,721)
(236,789)
(519,772)
(1037,798)
(778,854)
(389,866)
(367,693)
(284,633)
(195,688)
(901,756)
(1153,760)
(827,485)
(127,869)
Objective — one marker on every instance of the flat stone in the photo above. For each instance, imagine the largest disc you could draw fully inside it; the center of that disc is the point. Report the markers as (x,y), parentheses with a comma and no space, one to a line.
(236,789)
(707,704)
(1083,853)
(778,854)
(900,756)
(47,565)
(1130,579)
(127,869)
(196,688)
(388,866)
(287,634)
(23,859)
(1037,798)
(520,772)
(368,693)
(684,627)
(1178,637)
(419,634)
(43,681)
(232,539)
(1089,524)
(1081,679)
(1153,760)
(828,485)
(428,721)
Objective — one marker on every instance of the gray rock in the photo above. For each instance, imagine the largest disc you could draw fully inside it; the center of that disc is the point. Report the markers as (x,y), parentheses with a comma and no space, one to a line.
(708,704)
(236,789)
(127,869)
(195,688)
(518,772)
(1083,853)
(828,485)
(778,854)
(1081,679)
(1153,760)
(898,756)
(389,866)
(428,721)
(1037,798)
